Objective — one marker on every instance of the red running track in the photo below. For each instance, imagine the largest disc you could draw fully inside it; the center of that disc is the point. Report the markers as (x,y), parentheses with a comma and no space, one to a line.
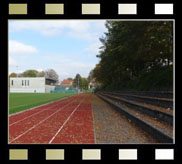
(64,121)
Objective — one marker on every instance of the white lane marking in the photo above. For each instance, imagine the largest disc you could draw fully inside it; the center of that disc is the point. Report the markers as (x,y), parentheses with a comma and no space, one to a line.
(36,113)
(43,110)
(64,123)
(38,123)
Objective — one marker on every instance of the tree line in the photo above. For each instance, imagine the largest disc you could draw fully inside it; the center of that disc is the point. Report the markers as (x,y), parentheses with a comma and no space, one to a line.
(136,55)
(80,82)
(49,73)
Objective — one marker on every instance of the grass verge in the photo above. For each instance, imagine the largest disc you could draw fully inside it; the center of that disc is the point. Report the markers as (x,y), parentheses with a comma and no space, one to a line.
(22,101)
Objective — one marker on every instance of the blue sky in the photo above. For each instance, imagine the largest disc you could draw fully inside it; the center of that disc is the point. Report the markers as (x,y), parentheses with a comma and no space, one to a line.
(68,46)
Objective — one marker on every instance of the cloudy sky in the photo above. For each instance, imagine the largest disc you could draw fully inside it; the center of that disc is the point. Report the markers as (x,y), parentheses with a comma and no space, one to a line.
(69,47)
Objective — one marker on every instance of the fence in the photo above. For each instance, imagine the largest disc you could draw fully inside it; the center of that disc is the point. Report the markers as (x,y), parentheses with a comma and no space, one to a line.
(64,90)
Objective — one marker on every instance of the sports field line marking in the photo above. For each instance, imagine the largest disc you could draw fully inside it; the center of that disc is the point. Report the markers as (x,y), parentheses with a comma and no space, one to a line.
(40,122)
(26,110)
(64,123)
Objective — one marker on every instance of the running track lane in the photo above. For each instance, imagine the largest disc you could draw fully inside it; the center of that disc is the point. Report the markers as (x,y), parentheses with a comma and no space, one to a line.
(79,129)
(27,123)
(17,117)
(72,124)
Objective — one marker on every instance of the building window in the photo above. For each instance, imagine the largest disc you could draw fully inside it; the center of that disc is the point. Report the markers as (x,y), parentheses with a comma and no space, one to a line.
(11,82)
(25,82)
(22,83)
(28,82)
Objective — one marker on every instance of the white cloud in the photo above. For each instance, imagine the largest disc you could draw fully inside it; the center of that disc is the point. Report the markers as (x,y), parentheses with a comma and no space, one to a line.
(66,66)
(40,69)
(75,28)
(18,48)
(81,65)
(49,27)
(65,73)
(93,48)
(81,35)
(12,62)
(52,32)
(66,70)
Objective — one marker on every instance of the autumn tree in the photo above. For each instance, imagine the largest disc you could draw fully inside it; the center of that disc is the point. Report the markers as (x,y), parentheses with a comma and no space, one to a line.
(51,73)
(41,74)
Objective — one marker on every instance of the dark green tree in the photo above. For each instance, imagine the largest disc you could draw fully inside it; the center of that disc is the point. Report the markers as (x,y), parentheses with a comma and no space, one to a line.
(77,81)
(30,73)
(133,53)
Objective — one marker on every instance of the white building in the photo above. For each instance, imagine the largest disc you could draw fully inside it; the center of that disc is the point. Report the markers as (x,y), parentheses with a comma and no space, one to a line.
(31,84)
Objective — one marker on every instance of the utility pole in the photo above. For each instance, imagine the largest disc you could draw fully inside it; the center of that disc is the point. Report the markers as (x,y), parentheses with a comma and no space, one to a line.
(17,71)
(78,83)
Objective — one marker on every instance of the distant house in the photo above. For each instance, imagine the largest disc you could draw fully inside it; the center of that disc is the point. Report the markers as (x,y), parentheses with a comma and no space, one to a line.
(66,83)
(31,84)
(93,84)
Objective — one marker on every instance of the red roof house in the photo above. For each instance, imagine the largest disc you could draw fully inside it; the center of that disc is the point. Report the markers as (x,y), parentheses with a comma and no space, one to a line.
(66,83)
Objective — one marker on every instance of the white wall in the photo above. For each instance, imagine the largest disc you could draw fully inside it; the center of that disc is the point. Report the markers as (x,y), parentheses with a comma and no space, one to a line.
(33,84)
(22,90)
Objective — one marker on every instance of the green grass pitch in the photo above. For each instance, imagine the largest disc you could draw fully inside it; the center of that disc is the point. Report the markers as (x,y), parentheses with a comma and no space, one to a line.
(22,101)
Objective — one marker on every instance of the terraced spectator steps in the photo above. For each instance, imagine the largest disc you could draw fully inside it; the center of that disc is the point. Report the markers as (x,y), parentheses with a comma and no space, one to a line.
(159,94)
(166,102)
(160,113)
(156,120)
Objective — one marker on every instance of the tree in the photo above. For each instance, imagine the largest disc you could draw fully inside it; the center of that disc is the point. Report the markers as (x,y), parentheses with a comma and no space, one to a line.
(41,74)
(69,78)
(84,83)
(132,51)
(77,81)
(90,76)
(80,82)
(30,73)
(13,75)
(51,73)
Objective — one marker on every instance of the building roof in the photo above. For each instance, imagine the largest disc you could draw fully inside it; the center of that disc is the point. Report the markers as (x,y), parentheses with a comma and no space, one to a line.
(67,82)
(51,79)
